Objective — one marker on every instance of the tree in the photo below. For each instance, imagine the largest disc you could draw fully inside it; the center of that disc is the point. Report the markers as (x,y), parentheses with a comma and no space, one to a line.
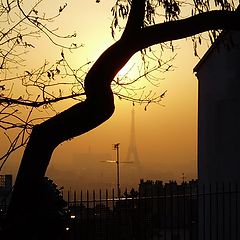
(24,89)
(140,32)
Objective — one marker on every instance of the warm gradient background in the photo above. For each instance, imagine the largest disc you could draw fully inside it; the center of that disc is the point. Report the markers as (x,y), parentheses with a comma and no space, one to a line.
(166,136)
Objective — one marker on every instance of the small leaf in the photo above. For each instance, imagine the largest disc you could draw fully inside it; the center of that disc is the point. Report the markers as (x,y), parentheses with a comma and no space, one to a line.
(112,33)
(200,40)
(57,70)
(115,22)
(49,75)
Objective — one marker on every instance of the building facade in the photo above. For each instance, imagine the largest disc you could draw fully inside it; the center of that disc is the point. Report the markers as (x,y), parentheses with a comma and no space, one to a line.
(218,75)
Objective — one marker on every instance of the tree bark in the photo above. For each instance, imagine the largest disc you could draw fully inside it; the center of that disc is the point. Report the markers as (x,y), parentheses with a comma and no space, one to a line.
(99,103)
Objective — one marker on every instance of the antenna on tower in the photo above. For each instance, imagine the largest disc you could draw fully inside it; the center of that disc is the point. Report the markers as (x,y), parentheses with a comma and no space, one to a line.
(132,153)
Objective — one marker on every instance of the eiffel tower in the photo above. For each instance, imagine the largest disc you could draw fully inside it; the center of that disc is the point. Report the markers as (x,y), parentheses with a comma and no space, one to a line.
(132,153)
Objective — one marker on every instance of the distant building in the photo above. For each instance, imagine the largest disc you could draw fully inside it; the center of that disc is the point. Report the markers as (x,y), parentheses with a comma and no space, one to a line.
(5,182)
(5,189)
(157,188)
(150,188)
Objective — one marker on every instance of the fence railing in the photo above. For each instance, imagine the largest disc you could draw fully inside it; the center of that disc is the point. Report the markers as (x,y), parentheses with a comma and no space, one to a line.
(186,212)
(169,212)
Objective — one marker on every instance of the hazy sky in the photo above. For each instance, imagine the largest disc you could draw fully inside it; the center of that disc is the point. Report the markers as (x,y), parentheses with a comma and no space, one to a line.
(166,136)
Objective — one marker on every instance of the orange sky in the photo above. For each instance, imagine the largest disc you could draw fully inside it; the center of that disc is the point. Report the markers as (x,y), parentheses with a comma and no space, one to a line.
(166,136)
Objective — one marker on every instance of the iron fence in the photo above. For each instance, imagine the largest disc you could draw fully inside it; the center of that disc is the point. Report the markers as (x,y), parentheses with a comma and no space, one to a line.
(185,212)
(166,212)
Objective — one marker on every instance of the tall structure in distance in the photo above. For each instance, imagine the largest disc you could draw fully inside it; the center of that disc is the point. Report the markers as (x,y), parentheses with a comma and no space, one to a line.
(132,153)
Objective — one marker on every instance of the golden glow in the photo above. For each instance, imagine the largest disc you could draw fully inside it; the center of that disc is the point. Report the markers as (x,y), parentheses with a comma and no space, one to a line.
(129,70)
(165,136)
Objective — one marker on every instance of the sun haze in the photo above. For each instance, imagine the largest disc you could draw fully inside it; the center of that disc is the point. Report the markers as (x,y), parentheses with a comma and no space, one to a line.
(165,133)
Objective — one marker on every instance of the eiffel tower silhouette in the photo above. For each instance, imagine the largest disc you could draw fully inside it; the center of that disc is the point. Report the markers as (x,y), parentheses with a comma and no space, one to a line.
(132,153)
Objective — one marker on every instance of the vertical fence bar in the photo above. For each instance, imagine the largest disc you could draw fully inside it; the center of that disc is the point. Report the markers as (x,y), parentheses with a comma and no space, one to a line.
(223,210)
(151,215)
(81,215)
(210,211)
(81,197)
(133,214)
(137,216)
(88,213)
(198,214)
(143,214)
(159,212)
(68,197)
(204,212)
(75,203)
(171,211)
(217,211)
(230,210)
(113,227)
(190,213)
(237,211)
(165,213)
(113,202)
(178,211)
(106,215)
(184,211)
(94,215)
(100,212)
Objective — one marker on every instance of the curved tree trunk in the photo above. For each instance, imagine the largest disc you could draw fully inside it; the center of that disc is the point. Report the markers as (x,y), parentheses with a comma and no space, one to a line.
(99,103)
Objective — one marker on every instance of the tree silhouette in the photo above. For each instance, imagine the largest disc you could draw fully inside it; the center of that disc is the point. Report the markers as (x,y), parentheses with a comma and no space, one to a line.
(25,90)
(140,32)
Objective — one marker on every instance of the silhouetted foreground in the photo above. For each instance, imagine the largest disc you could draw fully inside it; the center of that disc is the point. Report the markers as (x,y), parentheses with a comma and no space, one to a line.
(99,104)
(156,211)
(43,216)
(32,209)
